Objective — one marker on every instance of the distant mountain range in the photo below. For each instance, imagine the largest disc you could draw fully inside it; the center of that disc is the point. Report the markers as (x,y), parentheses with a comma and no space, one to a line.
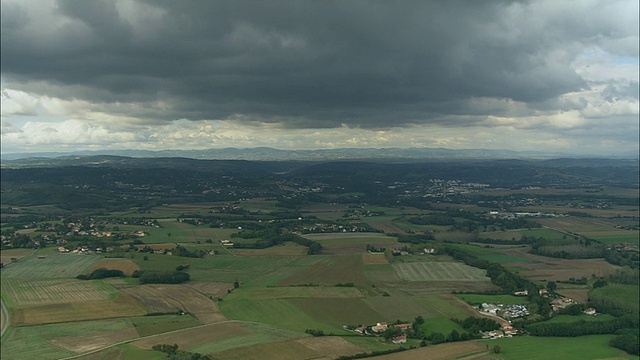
(270,154)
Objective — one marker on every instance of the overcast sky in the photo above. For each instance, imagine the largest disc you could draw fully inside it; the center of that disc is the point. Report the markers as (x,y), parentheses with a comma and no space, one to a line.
(520,75)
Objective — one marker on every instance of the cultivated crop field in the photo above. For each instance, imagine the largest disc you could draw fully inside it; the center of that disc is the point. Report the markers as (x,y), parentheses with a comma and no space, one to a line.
(439,271)
(121,306)
(52,266)
(39,292)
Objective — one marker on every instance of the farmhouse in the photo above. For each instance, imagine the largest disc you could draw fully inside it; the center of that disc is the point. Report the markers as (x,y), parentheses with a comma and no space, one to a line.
(402,339)
(380,327)
(403,327)
(590,311)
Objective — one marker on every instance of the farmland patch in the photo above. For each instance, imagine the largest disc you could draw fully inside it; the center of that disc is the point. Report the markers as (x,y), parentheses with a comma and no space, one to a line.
(294,292)
(172,298)
(38,292)
(122,306)
(374,259)
(191,338)
(283,350)
(124,265)
(545,268)
(438,271)
(52,266)
(85,343)
(282,313)
(438,352)
(338,312)
(330,270)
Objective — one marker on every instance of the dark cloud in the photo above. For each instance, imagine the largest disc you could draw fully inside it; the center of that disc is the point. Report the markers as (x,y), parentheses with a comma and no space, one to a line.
(305,63)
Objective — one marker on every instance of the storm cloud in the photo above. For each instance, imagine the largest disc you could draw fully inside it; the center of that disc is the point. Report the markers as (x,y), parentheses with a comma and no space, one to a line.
(371,65)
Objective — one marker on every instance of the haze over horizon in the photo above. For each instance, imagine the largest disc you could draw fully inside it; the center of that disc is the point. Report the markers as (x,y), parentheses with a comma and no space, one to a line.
(153,75)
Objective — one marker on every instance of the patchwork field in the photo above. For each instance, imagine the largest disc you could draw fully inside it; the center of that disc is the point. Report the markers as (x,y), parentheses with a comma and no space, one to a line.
(439,271)
(546,268)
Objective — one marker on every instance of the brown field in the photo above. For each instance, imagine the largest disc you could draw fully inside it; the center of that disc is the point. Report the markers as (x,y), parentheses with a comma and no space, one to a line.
(122,306)
(438,352)
(7,255)
(124,265)
(579,295)
(43,292)
(80,344)
(171,298)
(193,337)
(330,346)
(287,249)
(374,259)
(547,269)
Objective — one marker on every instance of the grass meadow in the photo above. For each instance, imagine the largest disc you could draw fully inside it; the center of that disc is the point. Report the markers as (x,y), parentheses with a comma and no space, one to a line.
(566,348)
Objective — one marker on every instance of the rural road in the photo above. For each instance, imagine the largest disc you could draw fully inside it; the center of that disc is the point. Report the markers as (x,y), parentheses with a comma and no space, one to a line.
(7,320)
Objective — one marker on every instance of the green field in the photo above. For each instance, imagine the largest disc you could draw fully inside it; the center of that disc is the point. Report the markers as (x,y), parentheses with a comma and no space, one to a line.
(289,292)
(503,258)
(566,348)
(582,317)
(278,312)
(52,266)
(477,299)
(441,325)
(627,238)
(35,342)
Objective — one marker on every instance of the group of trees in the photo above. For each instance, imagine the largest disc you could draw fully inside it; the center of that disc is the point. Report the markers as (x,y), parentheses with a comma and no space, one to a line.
(101,273)
(174,354)
(272,237)
(581,327)
(161,277)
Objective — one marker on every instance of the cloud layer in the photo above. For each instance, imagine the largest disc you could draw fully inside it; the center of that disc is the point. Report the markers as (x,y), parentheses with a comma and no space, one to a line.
(244,73)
